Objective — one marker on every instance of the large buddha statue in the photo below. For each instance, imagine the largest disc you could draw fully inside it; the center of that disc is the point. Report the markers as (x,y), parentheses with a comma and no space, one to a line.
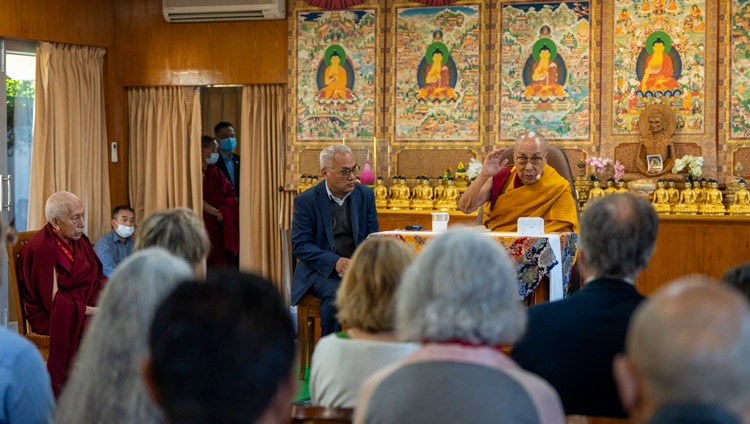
(660,199)
(687,204)
(741,205)
(656,154)
(714,200)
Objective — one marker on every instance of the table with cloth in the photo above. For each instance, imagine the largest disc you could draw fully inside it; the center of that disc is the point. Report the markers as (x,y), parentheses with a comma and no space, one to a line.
(548,255)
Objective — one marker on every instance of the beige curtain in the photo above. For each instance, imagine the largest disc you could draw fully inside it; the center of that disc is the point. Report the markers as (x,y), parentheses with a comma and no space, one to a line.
(262,243)
(164,124)
(70,138)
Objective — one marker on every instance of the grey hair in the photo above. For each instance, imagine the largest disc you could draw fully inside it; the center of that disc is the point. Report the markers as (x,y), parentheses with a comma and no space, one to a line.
(327,154)
(532,135)
(59,204)
(105,385)
(461,286)
(618,235)
(691,342)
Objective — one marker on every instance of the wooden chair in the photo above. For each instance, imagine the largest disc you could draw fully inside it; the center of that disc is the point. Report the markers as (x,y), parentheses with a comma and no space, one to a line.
(41,341)
(320,415)
(308,329)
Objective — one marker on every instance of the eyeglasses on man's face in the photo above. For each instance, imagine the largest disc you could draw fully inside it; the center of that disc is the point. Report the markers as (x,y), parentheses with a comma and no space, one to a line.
(523,160)
(345,172)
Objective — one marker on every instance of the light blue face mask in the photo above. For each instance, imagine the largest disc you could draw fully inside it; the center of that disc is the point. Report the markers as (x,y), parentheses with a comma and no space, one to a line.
(213,159)
(228,144)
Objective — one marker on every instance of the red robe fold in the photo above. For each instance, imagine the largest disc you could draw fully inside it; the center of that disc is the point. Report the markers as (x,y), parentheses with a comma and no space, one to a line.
(225,234)
(79,281)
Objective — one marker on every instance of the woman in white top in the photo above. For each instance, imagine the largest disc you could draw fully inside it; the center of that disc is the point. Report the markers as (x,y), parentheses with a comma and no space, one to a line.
(365,302)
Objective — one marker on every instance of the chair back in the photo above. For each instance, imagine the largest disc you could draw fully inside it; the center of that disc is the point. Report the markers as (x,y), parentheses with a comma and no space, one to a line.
(320,415)
(14,251)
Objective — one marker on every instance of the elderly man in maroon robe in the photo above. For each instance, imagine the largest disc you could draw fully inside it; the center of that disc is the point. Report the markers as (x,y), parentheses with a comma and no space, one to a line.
(61,278)
(220,210)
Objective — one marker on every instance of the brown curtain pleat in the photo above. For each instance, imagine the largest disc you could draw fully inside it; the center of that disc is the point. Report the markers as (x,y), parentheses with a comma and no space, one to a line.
(69,150)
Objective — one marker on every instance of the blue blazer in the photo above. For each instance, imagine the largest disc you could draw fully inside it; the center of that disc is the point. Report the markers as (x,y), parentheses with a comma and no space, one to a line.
(312,233)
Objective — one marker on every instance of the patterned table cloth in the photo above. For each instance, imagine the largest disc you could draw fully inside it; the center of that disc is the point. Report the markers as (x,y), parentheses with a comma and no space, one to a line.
(534,256)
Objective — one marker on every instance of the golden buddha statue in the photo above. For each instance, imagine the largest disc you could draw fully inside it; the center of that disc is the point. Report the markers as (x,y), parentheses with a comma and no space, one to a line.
(700,187)
(656,153)
(312,181)
(449,201)
(303,184)
(674,194)
(381,194)
(439,190)
(741,205)
(596,190)
(714,200)
(399,198)
(687,205)
(422,198)
(610,189)
(621,188)
(660,199)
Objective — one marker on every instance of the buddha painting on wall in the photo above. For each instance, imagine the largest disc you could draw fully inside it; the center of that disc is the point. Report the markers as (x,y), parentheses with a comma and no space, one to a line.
(658,67)
(544,73)
(335,76)
(437,74)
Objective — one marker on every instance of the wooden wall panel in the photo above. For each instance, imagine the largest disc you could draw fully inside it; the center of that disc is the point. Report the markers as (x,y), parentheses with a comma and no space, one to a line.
(86,22)
(148,51)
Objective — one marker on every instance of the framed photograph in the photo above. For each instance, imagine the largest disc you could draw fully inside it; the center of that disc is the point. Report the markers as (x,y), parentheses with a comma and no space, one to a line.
(655,163)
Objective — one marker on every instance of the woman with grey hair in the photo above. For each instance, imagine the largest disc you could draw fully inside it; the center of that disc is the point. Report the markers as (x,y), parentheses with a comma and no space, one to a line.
(460,300)
(105,385)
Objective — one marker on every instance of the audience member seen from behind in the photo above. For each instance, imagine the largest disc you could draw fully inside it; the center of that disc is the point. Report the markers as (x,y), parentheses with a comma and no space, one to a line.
(739,278)
(460,299)
(24,381)
(366,308)
(105,385)
(223,352)
(60,280)
(571,343)
(687,356)
(220,210)
(180,232)
(117,244)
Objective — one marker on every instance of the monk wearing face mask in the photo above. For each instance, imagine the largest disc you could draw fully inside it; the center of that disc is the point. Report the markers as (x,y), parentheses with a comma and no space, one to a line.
(220,209)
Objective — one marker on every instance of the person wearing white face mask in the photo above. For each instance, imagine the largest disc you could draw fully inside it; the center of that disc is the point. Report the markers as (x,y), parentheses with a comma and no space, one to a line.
(116,245)
(220,209)
(229,162)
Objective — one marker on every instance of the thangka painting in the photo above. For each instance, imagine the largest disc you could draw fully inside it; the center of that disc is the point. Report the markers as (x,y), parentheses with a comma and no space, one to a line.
(659,57)
(545,69)
(437,74)
(336,65)
(740,115)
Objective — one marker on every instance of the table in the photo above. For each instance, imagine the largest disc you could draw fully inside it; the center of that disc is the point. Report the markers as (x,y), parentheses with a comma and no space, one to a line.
(549,255)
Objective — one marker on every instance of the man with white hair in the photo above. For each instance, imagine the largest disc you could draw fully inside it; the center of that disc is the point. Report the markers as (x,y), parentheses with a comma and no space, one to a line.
(528,188)
(330,220)
(60,278)
(571,342)
(687,356)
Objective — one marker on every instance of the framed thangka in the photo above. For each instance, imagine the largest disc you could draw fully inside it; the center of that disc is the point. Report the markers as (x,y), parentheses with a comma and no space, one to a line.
(545,76)
(336,64)
(740,78)
(436,82)
(659,57)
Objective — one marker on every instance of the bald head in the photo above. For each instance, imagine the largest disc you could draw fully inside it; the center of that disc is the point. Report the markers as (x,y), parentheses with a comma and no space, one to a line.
(530,156)
(60,204)
(532,137)
(64,211)
(691,344)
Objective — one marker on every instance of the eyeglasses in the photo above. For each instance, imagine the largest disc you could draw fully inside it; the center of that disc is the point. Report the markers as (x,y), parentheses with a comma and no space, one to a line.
(345,172)
(523,160)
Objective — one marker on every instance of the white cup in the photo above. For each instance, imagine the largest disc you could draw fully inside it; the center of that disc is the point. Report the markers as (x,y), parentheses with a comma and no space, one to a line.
(440,221)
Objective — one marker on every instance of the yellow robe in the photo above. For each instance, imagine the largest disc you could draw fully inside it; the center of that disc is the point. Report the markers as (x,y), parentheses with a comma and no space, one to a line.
(550,198)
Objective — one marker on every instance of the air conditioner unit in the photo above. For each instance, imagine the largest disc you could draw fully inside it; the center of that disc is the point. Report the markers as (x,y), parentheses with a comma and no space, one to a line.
(177,11)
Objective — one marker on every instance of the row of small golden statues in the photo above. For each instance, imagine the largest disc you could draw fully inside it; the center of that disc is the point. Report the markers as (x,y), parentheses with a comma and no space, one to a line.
(443,197)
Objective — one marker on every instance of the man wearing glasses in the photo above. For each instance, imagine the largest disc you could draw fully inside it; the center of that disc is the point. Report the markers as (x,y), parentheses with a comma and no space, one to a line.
(330,220)
(528,188)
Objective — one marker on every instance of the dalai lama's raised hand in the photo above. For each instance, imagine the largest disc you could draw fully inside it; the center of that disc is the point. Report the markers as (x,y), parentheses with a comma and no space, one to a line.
(492,164)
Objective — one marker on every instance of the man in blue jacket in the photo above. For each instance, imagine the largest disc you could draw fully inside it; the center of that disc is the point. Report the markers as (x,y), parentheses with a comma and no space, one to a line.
(330,220)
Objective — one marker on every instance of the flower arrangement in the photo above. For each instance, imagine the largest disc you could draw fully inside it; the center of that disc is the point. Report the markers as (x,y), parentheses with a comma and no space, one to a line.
(605,165)
(475,167)
(694,165)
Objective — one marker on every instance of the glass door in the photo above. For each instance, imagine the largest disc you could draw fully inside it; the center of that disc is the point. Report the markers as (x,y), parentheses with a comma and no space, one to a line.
(18,70)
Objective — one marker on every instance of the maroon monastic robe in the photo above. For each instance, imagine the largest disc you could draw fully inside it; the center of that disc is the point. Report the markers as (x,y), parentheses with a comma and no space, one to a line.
(79,281)
(224,234)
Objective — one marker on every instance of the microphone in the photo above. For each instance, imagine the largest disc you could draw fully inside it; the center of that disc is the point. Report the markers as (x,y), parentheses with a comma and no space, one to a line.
(538,177)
